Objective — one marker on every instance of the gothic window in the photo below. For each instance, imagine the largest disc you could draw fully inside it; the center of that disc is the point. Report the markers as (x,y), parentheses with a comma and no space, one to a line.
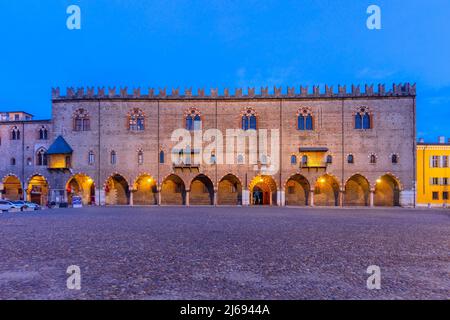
(305,120)
(15,133)
(394,159)
(91,158)
(193,120)
(43,133)
(363,119)
(240,159)
(249,120)
(113,157)
(373,159)
(350,159)
(161,156)
(81,120)
(293,159)
(41,158)
(329,159)
(305,161)
(263,159)
(136,120)
(140,157)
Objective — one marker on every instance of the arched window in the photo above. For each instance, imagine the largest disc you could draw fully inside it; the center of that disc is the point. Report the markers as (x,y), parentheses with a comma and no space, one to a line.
(305,161)
(193,119)
(213,159)
(350,159)
(394,159)
(41,158)
(249,120)
(363,119)
(113,157)
(240,159)
(43,133)
(373,159)
(329,159)
(15,133)
(263,159)
(136,120)
(293,159)
(81,121)
(140,157)
(13,161)
(305,120)
(161,156)
(91,159)
(358,121)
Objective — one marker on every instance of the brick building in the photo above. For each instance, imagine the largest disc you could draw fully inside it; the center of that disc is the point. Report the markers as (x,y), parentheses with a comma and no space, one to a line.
(323,148)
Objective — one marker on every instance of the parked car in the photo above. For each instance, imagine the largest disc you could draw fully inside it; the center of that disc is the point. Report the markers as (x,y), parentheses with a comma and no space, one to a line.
(19,204)
(33,205)
(6,205)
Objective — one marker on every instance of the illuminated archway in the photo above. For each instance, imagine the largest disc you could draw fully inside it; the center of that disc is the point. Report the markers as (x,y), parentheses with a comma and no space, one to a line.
(37,190)
(297,191)
(12,188)
(387,192)
(173,191)
(202,191)
(357,191)
(117,191)
(263,191)
(145,192)
(230,191)
(81,185)
(326,192)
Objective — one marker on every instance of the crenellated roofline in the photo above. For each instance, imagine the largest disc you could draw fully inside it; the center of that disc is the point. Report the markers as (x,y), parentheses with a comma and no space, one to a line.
(397,90)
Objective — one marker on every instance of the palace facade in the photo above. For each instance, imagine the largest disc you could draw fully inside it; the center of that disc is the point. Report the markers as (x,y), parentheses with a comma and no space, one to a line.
(115,147)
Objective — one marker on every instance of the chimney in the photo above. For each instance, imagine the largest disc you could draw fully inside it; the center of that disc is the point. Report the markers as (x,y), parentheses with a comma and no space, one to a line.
(441,140)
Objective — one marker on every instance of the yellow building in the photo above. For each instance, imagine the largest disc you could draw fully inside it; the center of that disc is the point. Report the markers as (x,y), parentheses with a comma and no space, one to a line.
(433,173)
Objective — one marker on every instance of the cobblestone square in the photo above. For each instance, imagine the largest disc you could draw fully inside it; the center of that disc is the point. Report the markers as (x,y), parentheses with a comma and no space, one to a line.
(225,253)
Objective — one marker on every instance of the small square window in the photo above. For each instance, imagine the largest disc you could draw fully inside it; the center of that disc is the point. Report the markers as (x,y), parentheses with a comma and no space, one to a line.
(445,195)
(435,195)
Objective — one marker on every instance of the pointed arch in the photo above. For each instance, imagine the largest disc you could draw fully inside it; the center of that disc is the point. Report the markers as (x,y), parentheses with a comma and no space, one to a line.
(117,191)
(357,191)
(202,191)
(230,190)
(263,190)
(173,191)
(297,189)
(12,188)
(37,190)
(326,191)
(81,185)
(387,191)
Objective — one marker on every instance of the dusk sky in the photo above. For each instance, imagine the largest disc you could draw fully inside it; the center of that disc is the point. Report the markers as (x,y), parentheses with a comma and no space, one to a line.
(179,44)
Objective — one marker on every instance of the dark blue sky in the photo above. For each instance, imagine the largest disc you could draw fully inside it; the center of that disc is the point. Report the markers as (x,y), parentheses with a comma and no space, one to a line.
(179,43)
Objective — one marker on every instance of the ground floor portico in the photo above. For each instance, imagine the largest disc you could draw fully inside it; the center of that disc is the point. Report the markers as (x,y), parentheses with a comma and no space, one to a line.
(202,190)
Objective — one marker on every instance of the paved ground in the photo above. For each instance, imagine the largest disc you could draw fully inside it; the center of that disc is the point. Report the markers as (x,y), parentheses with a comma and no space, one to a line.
(225,253)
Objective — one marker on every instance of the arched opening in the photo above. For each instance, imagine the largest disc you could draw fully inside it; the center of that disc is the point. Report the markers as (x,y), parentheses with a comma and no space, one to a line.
(297,191)
(263,191)
(326,192)
(230,191)
(81,185)
(145,192)
(202,191)
(37,191)
(117,191)
(173,191)
(357,191)
(12,188)
(387,192)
